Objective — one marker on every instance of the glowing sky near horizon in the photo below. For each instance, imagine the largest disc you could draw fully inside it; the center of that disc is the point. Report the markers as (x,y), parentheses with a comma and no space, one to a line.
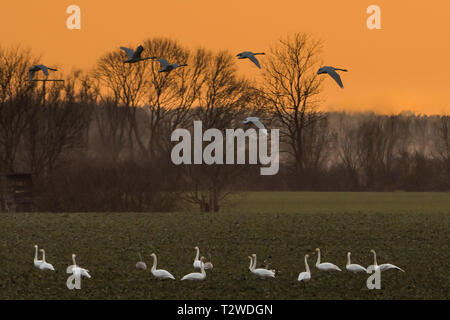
(404,66)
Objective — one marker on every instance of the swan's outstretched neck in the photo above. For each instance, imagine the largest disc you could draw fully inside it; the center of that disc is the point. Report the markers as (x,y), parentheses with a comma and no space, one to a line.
(348,258)
(374,258)
(306,264)
(73,259)
(36,252)
(318,257)
(155,262)
(43,255)
(197,256)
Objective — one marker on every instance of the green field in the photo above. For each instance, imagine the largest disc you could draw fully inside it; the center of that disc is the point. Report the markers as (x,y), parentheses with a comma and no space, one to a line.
(411,230)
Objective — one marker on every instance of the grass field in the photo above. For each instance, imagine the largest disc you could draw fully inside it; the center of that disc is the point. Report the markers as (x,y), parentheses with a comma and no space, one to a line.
(411,230)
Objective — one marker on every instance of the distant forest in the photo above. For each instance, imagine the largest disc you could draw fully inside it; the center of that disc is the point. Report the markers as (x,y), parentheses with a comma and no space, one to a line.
(100,140)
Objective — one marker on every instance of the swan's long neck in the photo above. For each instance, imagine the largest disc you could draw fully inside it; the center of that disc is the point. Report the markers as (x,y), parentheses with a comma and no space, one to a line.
(198,254)
(43,255)
(251,264)
(254,261)
(203,269)
(348,259)
(155,262)
(36,253)
(374,258)
(73,260)
(306,264)
(318,258)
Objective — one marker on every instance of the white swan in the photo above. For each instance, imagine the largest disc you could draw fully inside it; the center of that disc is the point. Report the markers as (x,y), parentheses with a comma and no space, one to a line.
(37,262)
(160,274)
(305,276)
(36,68)
(76,270)
(45,265)
(260,272)
(197,262)
(256,121)
(325,266)
(167,67)
(141,265)
(196,276)
(251,56)
(135,56)
(383,267)
(354,267)
(332,72)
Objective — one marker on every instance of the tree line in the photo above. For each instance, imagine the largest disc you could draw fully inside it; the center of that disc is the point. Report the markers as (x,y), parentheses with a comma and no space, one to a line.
(100,140)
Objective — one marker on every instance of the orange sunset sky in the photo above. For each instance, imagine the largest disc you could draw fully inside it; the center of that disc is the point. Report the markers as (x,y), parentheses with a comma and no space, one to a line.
(404,66)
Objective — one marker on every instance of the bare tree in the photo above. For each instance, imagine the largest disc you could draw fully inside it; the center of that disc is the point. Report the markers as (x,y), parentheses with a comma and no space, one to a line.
(291,88)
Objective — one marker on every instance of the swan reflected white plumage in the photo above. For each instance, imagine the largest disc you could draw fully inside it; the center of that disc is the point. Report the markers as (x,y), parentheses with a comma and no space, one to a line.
(325,266)
(260,272)
(76,270)
(37,262)
(385,266)
(160,274)
(305,276)
(355,268)
(196,276)
(45,265)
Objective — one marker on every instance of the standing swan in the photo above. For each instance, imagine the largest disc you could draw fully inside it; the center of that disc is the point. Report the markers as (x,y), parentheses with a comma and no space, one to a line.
(197,262)
(160,274)
(76,270)
(325,266)
(196,276)
(383,267)
(44,265)
(261,272)
(354,267)
(37,262)
(305,276)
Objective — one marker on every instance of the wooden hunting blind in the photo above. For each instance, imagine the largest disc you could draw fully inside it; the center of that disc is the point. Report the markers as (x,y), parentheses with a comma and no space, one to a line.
(19,192)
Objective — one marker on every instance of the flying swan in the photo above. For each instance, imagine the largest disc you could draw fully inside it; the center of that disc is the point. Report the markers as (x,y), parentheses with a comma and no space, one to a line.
(135,56)
(167,67)
(332,72)
(36,68)
(251,56)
